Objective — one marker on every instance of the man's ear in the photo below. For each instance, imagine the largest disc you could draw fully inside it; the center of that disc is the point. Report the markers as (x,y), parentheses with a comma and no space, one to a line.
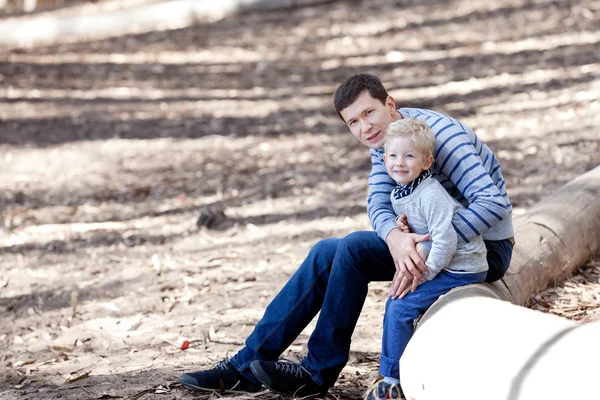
(428,162)
(390,103)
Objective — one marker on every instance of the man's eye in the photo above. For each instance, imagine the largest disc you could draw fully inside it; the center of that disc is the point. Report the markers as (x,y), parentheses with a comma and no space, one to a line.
(369,112)
(351,123)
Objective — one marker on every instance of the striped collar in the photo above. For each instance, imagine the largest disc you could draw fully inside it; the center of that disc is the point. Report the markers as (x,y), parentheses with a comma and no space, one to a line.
(401,191)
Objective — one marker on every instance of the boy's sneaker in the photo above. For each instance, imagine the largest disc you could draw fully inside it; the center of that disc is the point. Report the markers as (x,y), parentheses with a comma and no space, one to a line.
(287,378)
(383,390)
(222,378)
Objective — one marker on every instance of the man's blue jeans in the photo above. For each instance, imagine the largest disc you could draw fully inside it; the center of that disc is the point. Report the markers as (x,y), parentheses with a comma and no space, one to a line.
(333,279)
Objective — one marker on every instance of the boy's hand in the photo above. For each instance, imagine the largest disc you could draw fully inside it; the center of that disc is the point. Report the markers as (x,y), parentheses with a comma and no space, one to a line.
(402,223)
(403,247)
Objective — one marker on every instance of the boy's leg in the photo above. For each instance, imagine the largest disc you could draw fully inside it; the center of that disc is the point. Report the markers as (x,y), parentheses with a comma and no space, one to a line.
(499,253)
(400,315)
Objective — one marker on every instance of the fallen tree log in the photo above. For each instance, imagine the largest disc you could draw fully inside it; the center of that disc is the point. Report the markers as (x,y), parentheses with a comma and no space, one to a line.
(477,342)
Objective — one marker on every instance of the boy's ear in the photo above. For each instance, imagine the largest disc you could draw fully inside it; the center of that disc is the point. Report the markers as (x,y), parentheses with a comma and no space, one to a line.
(428,162)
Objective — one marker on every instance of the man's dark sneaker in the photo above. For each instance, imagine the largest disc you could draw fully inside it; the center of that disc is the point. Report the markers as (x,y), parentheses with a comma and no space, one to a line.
(287,378)
(383,390)
(222,378)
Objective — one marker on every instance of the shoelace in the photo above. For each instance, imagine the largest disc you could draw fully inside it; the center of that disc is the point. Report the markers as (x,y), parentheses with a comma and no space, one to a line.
(223,365)
(290,367)
(380,388)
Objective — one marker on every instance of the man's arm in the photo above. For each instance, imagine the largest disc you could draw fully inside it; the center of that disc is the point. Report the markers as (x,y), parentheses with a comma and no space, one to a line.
(458,156)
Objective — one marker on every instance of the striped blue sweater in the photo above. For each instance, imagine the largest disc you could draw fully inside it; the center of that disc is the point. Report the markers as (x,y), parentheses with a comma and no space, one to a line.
(466,168)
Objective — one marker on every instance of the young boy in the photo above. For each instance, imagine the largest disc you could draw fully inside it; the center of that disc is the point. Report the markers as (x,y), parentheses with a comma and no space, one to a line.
(408,147)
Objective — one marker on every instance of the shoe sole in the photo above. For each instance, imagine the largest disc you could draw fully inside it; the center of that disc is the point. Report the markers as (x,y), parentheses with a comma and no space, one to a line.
(202,389)
(262,376)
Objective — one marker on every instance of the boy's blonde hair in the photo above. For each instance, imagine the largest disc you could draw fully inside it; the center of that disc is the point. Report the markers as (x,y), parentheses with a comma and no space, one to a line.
(415,129)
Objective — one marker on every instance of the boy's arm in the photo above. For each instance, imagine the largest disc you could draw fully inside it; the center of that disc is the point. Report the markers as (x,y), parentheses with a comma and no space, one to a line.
(458,158)
(438,210)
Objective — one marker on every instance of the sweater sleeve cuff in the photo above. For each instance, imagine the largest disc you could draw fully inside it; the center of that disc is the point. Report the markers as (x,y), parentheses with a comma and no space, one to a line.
(385,230)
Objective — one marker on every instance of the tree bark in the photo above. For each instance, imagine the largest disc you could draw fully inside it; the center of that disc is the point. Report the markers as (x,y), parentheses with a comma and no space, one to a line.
(474,344)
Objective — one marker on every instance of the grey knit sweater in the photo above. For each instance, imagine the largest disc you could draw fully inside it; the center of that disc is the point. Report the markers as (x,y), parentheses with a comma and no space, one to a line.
(429,209)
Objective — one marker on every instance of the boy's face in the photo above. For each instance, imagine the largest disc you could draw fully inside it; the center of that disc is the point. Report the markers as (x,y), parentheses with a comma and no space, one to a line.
(404,161)
(368,119)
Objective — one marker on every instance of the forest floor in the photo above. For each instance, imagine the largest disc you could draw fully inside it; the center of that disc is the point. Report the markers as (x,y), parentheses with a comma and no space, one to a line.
(111,151)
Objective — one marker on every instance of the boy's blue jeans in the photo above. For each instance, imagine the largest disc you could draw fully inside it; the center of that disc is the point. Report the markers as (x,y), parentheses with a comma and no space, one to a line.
(401,313)
(333,279)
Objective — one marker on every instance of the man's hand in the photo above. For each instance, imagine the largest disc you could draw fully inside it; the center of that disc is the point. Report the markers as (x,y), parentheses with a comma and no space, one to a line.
(402,284)
(402,246)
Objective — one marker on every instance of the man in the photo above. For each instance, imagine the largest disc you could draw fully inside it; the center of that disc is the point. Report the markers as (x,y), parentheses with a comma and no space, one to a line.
(334,277)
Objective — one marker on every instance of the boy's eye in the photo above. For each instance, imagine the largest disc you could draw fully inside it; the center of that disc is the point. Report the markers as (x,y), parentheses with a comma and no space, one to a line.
(368,112)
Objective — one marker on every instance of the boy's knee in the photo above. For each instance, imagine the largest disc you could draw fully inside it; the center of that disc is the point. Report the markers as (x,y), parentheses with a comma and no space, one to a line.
(402,309)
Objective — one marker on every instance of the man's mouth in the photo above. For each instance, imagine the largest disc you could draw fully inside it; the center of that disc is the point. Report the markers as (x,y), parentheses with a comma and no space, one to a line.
(373,136)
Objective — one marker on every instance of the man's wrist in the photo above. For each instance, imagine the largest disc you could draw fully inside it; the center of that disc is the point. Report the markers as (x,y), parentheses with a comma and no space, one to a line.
(384,228)
(396,229)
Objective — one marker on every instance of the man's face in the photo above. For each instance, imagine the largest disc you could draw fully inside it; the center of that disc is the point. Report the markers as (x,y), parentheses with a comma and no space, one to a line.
(368,119)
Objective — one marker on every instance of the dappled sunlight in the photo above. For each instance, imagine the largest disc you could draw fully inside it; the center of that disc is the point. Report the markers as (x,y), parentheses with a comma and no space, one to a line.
(218,60)
(174,179)
(419,52)
(504,80)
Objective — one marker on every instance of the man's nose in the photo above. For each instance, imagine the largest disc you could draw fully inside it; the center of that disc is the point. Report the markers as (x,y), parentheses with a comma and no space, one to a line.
(365,126)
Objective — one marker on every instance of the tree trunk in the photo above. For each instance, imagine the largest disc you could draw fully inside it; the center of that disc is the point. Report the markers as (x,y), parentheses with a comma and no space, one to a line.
(473,345)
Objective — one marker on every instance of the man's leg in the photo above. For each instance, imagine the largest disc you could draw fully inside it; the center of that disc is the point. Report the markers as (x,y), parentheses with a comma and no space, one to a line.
(288,313)
(499,253)
(400,315)
(361,257)
(291,310)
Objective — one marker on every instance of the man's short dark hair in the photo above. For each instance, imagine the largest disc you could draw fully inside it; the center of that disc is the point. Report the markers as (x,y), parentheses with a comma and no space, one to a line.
(353,87)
